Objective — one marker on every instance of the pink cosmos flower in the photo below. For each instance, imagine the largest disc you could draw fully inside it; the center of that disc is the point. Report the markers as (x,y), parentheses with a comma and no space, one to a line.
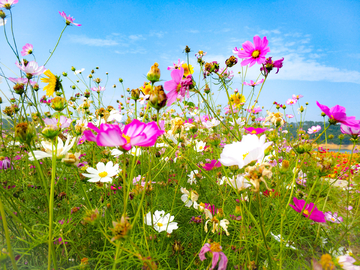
(135,134)
(253,53)
(314,129)
(297,97)
(216,254)
(19,80)
(98,89)
(176,66)
(177,87)
(252,130)
(62,123)
(270,64)
(338,114)
(254,110)
(68,19)
(333,217)
(252,83)
(31,69)
(291,101)
(213,164)
(289,116)
(27,49)
(7,3)
(348,130)
(347,262)
(5,163)
(228,109)
(310,210)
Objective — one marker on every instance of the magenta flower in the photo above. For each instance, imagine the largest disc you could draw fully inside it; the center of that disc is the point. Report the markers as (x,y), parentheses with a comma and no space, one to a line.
(68,19)
(252,83)
(31,69)
(270,64)
(216,253)
(7,3)
(63,122)
(334,218)
(253,53)
(337,114)
(310,210)
(135,134)
(213,164)
(314,129)
(252,130)
(27,49)
(291,101)
(98,89)
(354,132)
(178,86)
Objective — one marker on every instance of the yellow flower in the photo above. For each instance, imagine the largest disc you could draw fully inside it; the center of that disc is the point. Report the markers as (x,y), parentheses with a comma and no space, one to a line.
(146,88)
(50,88)
(236,99)
(187,69)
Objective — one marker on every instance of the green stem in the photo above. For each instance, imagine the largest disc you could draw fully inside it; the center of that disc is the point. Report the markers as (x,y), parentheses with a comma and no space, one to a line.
(56,45)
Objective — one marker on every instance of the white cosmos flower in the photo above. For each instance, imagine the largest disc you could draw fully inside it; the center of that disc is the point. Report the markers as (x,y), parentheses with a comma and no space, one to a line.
(251,148)
(62,149)
(240,183)
(161,222)
(76,72)
(115,115)
(216,224)
(200,146)
(189,198)
(277,238)
(133,151)
(213,123)
(240,122)
(192,177)
(3,22)
(102,173)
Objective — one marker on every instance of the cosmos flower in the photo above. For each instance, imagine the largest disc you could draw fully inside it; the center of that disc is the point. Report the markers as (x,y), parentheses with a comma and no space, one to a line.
(310,210)
(254,110)
(102,173)
(239,182)
(176,66)
(350,130)
(135,134)
(62,149)
(337,114)
(31,69)
(98,89)
(314,129)
(7,3)
(216,254)
(297,97)
(27,49)
(252,130)
(291,101)
(177,87)
(161,222)
(253,53)
(270,64)
(199,146)
(68,19)
(211,123)
(189,197)
(213,164)
(63,122)
(251,148)
(334,218)
(252,83)
(5,163)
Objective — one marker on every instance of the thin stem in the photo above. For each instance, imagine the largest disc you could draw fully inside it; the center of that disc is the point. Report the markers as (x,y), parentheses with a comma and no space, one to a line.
(56,45)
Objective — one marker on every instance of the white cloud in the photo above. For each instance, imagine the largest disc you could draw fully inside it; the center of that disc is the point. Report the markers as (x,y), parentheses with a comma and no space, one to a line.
(132,51)
(193,31)
(136,37)
(158,34)
(98,42)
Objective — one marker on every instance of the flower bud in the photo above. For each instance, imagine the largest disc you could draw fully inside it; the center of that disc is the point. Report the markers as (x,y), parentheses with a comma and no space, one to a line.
(25,132)
(58,103)
(1,100)
(121,80)
(158,97)
(64,74)
(187,49)
(2,14)
(231,61)
(154,74)
(73,69)
(50,132)
(135,94)
(87,94)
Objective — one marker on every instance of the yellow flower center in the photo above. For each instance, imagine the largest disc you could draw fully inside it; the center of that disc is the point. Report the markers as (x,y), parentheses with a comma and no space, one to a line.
(253,132)
(103,174)
(306,212)
(244,155)
(127,138)
(255,54)
(201,147)
(160,224)
(333,219)
(178,88)
(215,247)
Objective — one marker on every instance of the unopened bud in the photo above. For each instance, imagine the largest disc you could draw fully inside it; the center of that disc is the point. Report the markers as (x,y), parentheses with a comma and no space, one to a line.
(58,103)
(158,97)
(154,74)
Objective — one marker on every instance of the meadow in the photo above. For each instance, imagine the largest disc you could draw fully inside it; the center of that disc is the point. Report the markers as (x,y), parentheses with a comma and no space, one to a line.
(168,178)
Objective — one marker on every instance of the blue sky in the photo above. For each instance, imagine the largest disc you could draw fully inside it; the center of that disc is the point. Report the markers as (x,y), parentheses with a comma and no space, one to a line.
(318,39)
